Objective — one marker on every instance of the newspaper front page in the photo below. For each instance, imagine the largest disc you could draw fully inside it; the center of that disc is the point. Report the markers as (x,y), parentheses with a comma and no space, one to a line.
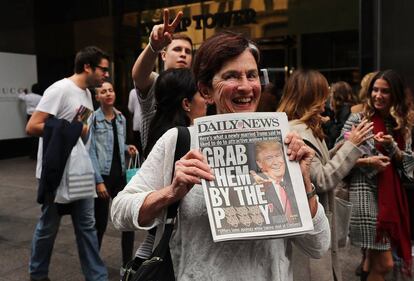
(257,192)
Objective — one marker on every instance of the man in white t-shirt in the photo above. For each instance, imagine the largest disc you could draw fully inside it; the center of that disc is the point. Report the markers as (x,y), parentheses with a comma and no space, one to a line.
(62,100)
(31,100)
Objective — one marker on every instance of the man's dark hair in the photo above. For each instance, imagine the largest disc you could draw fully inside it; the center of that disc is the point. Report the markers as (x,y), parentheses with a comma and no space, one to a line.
(36,89)
(89,55)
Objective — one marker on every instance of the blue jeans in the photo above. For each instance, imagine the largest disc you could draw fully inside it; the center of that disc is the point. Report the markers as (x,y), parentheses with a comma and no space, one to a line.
(84,224)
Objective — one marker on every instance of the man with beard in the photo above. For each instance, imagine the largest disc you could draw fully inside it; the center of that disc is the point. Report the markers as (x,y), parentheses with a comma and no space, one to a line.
(62,100)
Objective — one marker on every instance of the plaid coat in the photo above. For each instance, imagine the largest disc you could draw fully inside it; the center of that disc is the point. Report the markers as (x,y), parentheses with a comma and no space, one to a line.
(363,189)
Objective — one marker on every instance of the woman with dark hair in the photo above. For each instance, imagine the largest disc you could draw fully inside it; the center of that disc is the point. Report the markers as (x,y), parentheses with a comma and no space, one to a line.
(178,103)
(226,71)
(107,151)
(303,100)
(380,215)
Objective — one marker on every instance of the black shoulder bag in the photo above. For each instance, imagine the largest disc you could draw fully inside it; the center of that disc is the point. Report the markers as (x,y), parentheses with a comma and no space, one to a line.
(159,266)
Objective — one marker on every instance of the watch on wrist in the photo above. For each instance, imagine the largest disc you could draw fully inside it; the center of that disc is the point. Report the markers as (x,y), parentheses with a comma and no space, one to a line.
(311,193)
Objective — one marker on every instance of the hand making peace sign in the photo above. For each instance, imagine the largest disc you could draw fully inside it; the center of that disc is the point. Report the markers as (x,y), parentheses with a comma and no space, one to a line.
(161,34)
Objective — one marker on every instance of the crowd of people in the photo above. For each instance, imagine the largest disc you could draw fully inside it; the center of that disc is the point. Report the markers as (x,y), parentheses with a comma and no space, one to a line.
(364,145)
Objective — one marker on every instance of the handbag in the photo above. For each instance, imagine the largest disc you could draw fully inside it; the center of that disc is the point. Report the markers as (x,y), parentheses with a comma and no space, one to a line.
(343,212)
(78,181)
(159,266)
(342,218)
(343,207)
(133,167)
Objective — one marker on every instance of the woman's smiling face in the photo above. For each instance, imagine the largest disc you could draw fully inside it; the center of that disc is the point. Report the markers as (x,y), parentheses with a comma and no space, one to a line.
(381,96)
(236,86)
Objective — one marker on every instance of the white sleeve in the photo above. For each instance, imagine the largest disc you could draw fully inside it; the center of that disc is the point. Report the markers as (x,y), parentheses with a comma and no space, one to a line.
(132,100)
(51,101)
(22,96)
(154,174)
(316,243)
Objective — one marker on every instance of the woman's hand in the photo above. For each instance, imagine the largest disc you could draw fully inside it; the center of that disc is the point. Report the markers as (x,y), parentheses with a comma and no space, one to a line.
(307,155)
(102,192)
(132,150)
(189,170)
(387,141)
(295,145)
(299,151)
(161,34)
(383,139)
(361,133)
(378,162)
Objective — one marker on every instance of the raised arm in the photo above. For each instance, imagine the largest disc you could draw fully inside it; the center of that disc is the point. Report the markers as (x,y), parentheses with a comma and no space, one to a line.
(327,176)
(160,37)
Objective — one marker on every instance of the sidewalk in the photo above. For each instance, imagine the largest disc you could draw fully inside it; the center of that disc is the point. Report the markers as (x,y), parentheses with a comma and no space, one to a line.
(18,216)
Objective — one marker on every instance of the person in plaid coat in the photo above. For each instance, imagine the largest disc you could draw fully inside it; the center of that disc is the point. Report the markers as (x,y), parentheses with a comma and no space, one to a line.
(380,215)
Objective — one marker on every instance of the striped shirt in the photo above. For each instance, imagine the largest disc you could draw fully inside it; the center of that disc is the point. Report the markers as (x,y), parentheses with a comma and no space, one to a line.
(148,109)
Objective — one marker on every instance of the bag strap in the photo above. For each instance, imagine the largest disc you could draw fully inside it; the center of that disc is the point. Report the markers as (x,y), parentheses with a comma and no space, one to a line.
(133,160)
(311,145)
(181,148)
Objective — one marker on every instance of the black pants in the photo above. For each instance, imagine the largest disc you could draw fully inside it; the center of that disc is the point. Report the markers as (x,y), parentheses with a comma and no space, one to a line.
(113,186)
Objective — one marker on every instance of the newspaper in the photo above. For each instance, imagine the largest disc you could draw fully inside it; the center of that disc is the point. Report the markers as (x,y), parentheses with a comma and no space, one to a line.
(257,192)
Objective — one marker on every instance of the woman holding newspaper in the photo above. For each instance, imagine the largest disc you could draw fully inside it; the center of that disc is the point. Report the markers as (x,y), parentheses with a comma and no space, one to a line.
(226,70)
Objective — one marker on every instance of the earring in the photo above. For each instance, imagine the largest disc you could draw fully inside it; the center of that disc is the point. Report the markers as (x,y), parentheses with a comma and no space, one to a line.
(188,110)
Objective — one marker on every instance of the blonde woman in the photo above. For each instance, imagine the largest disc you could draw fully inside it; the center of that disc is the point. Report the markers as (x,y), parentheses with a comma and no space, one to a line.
(366,80)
